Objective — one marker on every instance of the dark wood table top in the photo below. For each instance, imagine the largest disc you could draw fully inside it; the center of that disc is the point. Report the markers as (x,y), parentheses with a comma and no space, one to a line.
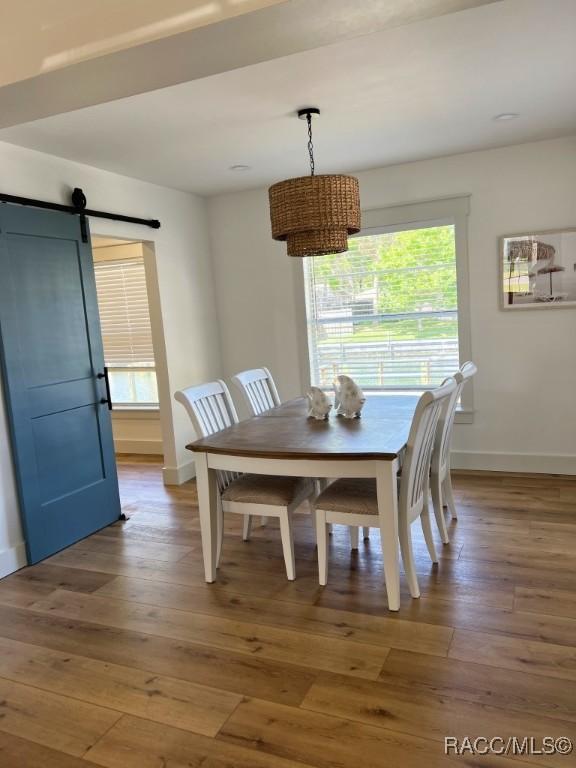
(286,433)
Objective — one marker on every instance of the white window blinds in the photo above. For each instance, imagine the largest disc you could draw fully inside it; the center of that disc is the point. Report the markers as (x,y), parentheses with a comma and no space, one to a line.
(385,312)
(124,313)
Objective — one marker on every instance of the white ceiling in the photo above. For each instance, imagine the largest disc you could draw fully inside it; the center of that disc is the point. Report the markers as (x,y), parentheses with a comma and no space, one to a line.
(423,90)
(101,54)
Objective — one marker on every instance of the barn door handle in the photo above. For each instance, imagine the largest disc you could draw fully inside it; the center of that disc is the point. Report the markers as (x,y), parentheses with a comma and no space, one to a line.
(108,398)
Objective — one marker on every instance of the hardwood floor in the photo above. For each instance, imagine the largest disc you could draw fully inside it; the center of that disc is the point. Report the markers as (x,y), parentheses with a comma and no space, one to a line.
(115,652)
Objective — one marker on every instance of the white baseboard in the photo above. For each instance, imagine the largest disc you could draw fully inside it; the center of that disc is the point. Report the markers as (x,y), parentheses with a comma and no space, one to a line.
(179,475)
(139,446)
(549,464)
(13,559)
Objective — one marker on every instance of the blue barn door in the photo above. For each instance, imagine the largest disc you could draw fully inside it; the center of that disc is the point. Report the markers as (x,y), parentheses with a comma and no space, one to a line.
(51,356)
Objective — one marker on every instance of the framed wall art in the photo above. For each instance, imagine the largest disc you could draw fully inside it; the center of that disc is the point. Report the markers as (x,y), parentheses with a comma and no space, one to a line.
(538,270)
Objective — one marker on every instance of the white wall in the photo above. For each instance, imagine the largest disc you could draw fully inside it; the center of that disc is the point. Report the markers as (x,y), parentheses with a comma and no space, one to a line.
(185,287)
(137,432)
(525,391)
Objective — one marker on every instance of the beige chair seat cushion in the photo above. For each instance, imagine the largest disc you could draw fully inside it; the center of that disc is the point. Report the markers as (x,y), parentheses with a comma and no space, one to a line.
(355,495)
(267,489)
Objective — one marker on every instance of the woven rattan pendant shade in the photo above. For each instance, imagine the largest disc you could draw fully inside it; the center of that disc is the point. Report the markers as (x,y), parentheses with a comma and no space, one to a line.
(315,214)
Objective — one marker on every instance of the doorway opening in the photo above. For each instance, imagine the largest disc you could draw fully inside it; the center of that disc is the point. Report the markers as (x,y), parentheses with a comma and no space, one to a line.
(132,335)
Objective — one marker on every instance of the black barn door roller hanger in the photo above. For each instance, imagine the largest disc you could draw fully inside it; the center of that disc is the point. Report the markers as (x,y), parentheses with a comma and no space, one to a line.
(78,206)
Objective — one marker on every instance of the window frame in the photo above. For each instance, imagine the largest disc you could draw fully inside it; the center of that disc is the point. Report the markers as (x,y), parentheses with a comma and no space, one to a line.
(418,215)
(122,405)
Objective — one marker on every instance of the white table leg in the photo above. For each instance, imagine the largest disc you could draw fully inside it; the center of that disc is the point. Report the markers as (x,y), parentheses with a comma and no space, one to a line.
(388,513)
(208,510)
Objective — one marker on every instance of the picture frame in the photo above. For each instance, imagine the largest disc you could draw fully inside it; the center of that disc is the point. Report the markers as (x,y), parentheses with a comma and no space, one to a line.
(538,269)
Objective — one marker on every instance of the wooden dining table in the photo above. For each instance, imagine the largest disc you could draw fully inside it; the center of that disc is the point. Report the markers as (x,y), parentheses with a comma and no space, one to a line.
(284,441)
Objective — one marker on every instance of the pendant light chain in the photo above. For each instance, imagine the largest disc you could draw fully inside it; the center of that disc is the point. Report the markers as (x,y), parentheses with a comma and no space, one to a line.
(310,144)
(314,215)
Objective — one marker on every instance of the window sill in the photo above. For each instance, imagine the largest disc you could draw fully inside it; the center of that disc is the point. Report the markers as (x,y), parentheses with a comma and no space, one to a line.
(136,412)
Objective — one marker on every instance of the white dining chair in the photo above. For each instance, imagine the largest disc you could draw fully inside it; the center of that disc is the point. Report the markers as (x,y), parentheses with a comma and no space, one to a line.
(258,390)
(354,502)
(260,394)
(211,410)
(440,479)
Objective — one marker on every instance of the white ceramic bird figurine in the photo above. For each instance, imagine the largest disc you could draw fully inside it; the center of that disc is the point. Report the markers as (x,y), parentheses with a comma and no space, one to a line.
(319,404)
(349,399)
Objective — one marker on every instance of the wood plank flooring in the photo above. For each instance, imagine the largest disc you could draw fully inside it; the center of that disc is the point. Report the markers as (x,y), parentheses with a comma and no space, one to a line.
(115,652)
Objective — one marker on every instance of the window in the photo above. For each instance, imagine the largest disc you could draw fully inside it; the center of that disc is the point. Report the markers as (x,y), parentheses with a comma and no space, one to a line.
(126,332)
(388,312)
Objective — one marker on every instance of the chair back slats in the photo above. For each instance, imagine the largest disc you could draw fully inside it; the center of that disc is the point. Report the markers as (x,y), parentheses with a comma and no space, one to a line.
(445,430)
(443,435)
(422,456)
(441,454)
(219,412)
(416,466)
(257,397)
(205,415)
(258,390)
(262,395)
(211,410)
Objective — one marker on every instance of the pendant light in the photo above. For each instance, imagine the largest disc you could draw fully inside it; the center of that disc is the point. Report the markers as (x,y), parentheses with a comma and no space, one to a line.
(314,214)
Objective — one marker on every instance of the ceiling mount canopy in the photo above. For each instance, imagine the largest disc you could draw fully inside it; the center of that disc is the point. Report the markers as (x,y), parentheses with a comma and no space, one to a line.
(315,214)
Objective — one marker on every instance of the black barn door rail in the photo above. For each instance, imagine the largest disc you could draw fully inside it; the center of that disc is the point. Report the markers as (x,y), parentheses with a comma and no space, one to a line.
(78,207)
